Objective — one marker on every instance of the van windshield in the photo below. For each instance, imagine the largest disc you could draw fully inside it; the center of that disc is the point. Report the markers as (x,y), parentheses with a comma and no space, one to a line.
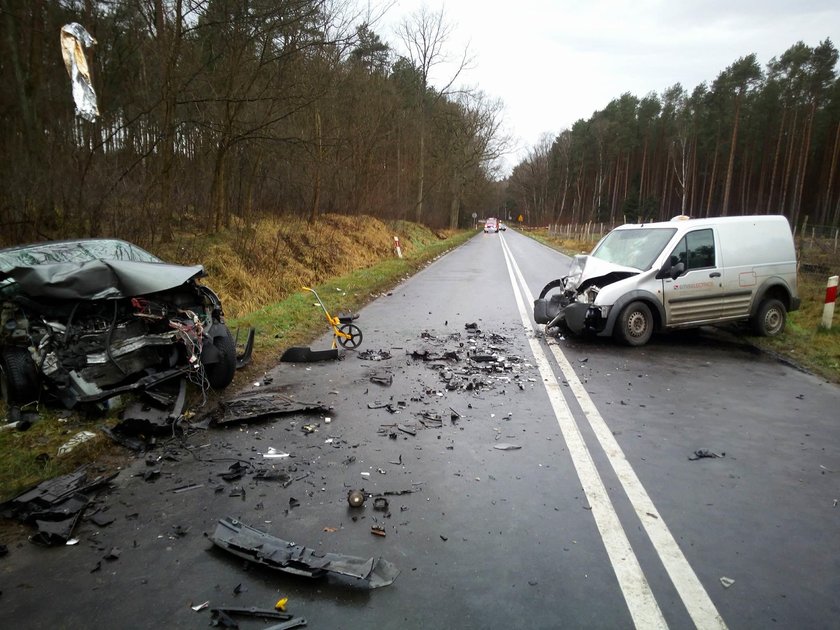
(637,248)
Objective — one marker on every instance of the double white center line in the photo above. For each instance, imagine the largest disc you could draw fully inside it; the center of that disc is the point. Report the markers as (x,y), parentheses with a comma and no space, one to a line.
(640,600)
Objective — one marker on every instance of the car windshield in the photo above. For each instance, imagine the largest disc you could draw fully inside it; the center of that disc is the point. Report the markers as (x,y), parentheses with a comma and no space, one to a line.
(72,251)
(637,248)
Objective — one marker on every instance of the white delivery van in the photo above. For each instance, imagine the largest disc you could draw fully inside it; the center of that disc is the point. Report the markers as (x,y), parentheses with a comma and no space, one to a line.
(681,273)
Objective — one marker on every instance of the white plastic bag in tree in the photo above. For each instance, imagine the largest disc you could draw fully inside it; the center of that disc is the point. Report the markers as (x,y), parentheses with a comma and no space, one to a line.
(73,38)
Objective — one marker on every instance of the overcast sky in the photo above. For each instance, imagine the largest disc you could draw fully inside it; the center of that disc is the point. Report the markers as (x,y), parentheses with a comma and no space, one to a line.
(553,62)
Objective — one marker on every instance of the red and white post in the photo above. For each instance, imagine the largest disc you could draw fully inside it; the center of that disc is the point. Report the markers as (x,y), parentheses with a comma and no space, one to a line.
(830,299)
(397,246)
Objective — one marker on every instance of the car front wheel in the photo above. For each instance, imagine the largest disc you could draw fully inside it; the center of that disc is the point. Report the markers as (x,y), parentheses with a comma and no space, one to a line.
(220,373)
(634,325)
(19,383)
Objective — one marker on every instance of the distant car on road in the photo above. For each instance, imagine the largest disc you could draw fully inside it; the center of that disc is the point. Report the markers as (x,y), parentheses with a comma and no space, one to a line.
(502,226)
(491,226)
(86,320)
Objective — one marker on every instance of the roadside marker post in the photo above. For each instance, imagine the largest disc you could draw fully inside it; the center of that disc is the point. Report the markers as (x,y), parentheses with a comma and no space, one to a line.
(830,298)
(397,246)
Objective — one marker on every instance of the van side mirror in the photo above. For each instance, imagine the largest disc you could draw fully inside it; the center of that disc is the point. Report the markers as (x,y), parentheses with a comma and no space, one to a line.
(677,270)
(670,270)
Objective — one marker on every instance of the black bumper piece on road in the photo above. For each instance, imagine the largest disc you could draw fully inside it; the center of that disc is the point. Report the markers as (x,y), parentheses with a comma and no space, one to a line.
(256,546)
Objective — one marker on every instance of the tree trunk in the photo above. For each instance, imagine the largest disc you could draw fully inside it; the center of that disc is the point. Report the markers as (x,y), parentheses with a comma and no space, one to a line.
(724,210)
(831,171)
(713,177)
(421,175)
(776,155)
(788,168)
(803,159)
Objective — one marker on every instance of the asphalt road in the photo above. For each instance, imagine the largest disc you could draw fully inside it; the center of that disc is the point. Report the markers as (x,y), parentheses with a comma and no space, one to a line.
(591,515)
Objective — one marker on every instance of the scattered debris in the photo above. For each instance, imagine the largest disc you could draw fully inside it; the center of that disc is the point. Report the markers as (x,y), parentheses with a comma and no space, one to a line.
(273,453)
(377,530)
(382,378)
(396,493)
(80,438)
(411,430)
(113,554)
(374,355)
(200,606)
(297,354)
(262,406)
(187,488)
(54,506)
(356,498)
(101,520)
(254,545)
(505,446)
(130,442)
(704,453)
(430,420)
(380,503)
(273,475)
(251,611)
(390,406)
(235,471)
(156,411)
(727,582)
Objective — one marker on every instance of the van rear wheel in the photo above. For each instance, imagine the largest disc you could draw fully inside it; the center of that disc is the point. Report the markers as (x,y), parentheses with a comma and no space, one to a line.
(770,319)
(634,325)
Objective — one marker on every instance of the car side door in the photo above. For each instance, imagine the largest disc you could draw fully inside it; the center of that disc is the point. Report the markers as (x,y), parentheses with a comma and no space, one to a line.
(695,296)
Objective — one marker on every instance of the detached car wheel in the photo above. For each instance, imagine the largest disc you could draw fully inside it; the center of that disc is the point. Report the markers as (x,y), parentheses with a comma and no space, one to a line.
(770,319)
(220,372)
(634,325)
(19,383)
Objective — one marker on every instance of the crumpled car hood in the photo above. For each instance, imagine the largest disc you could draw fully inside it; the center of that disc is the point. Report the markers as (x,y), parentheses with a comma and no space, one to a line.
(587,270)
(100,279)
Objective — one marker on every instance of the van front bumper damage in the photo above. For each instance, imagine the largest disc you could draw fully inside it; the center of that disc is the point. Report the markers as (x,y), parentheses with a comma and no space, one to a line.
(581,317)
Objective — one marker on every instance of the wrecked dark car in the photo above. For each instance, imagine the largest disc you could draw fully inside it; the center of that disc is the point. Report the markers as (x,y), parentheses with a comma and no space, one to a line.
(83,321)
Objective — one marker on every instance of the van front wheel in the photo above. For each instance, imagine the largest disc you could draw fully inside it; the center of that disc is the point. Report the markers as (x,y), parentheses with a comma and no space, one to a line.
(634,325)
(770,319)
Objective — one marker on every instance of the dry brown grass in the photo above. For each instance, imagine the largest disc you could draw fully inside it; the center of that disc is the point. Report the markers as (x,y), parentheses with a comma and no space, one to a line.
(263,262)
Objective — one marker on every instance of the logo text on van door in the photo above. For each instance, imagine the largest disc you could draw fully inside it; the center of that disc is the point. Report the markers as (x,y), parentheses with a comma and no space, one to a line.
(694,285)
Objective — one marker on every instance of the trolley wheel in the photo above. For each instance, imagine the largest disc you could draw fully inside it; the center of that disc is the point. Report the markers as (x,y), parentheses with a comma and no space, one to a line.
(354,340)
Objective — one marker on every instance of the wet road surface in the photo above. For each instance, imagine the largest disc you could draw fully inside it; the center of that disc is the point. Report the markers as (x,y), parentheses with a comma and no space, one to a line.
(591,515)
